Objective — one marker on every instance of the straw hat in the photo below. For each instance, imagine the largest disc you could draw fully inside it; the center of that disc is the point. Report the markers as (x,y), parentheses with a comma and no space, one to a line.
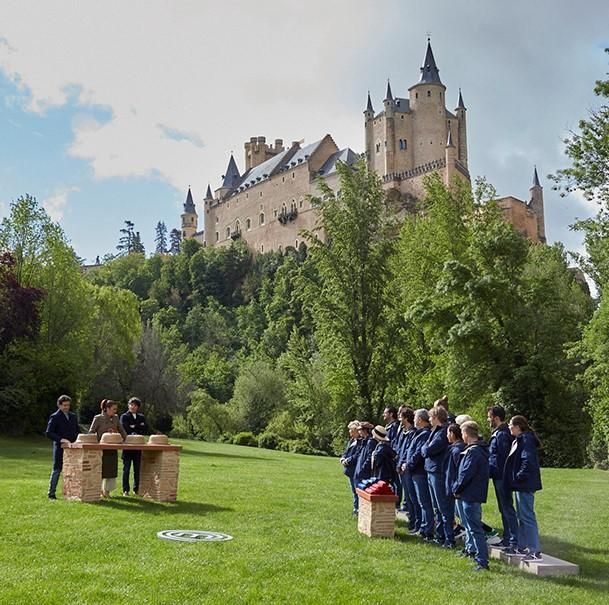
(380,433)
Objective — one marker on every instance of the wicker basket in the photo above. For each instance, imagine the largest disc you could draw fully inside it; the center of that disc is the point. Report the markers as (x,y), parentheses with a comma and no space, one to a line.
(112,438)
(158,440)
(135,439)
(86,438)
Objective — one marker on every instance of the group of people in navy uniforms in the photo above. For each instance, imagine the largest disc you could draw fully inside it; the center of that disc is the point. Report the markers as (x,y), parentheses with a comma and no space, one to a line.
(440,467)
(63,429)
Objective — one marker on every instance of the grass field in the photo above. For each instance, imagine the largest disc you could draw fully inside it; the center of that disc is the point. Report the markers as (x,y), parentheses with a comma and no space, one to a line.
(294,539)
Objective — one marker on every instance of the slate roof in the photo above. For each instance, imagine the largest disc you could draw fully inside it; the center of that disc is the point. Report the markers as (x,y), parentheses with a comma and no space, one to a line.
(208,194)
(265,170)
(535,178)
(401,105)
(430,74)
(232,176)
(302,155)
(347,155)
(189,205)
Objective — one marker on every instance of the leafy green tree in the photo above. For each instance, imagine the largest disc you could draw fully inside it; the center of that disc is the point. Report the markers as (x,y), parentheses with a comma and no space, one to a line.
(351,249)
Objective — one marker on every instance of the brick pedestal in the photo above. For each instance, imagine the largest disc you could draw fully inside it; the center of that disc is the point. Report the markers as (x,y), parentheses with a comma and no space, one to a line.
(82,474)
(376,517)
(82,470)
(159,475)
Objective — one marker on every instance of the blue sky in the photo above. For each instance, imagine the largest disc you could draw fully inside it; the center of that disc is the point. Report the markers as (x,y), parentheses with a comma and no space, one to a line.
(109,111)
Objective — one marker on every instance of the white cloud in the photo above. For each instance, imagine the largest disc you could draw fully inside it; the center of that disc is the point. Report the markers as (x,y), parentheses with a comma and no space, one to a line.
(56,204)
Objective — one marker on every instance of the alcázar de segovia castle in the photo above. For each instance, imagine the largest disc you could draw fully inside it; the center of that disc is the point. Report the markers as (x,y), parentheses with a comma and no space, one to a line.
(267,205)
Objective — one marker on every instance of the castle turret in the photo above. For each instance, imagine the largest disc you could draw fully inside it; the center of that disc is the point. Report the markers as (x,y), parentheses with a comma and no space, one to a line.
(389,140)
(189,217)
(230,179)
(368,120)
(536,204)
(450,154)
(462,142)
(257,151)
(427,101)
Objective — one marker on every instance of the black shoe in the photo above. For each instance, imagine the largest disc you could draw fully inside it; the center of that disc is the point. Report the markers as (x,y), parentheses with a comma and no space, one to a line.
(52,497)
(481,567)
(464,554)
(501,545)
(533,556)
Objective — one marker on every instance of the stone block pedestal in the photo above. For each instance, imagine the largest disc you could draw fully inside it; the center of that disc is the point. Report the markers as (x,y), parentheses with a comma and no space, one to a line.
(376,517)
(159,475)
(82,474)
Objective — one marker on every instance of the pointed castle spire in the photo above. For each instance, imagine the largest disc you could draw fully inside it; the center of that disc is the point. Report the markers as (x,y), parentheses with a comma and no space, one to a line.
(232,176)
(388,94)
(461,105)
(430,74)
(449,140)
(189,205)
(208,194)
(369,105)
(535,178)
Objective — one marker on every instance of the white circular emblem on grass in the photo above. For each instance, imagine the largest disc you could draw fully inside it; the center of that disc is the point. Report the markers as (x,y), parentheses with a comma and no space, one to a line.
(190,535)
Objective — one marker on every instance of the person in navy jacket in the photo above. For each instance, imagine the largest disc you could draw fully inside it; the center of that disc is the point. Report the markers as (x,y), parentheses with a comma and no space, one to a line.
(134,423)
(499,448)
(451,469)
(415,463)
(363,466)
(349,459)
(61,428)
(522,475)
(435,451)
(471,488)
(409,498)
(390,416)
(383,456)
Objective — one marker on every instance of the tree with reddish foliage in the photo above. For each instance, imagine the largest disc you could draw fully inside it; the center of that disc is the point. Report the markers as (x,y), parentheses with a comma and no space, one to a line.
(20,316)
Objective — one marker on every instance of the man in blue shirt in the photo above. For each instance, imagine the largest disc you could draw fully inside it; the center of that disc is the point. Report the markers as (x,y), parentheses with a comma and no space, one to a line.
(61,428)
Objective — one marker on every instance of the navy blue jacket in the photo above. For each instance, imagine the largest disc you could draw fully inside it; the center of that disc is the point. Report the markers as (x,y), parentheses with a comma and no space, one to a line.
(363,466)
(350,456)
(522,472)
(414,459)
(392,432)
(498,448)
(134,426)
(59,427)
(471,484)
(451,465)
(435,450)
(407,437)
(383,462)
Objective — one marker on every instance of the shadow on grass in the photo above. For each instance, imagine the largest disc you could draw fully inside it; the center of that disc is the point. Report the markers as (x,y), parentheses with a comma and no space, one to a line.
(189,452)
(172,508)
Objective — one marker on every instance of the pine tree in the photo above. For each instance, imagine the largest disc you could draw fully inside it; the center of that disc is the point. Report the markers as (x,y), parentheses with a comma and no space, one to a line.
(161,238)
(125,242)
(138,245)
(175,239)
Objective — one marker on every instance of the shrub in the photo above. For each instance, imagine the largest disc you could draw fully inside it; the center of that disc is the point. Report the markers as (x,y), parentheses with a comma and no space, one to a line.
(299,446)
(181,428)
(245,438)
(269,441)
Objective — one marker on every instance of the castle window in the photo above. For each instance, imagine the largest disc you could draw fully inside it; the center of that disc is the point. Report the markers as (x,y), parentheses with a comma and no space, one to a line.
(283,179)
(385,144)
(293,206)
(248,224)
(217,236)
(261,218)
(293,175)
(378,147)
(300,203)
(275,212)
(429,93)
(416,95)
(261,247)
(217,220)
(296,244)
(238,226)
(261,194)
(183,234)
(227,232)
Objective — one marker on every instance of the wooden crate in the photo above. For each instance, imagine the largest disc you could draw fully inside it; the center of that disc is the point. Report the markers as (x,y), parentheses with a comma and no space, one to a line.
(376,517)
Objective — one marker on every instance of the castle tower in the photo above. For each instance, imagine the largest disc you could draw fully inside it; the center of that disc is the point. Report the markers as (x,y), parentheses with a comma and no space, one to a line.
(257,151)
(451,154)
(189,217)
(368,123)
(389,141)
(462,143)
(230,179)
(427,100)
(536,204)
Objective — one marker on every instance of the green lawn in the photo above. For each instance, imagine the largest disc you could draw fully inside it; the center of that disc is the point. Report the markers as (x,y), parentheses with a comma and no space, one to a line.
(294,539)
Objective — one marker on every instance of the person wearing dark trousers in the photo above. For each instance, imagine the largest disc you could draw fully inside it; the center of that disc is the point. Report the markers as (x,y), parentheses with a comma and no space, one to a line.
(409,499)
(499,447)
(134,423)
(471,489)
(349,459)
(435,451)
(61,428)
(415,464)
(363,465)
(383,456)
(522,475)
(451,469)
